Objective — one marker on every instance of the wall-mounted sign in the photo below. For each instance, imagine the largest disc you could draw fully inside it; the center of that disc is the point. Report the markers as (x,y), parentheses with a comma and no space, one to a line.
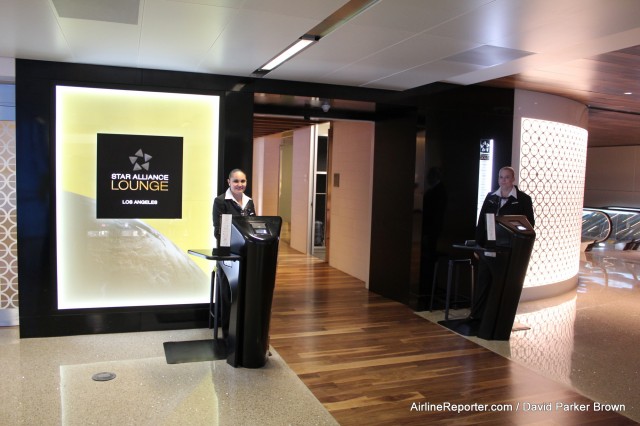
(138,176)
(485,172)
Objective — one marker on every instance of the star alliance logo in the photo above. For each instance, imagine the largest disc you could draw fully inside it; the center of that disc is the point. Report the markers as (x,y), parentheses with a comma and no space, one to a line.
(140,160)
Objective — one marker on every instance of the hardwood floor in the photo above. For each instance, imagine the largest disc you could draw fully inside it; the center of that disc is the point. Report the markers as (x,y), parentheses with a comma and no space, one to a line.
(372,361)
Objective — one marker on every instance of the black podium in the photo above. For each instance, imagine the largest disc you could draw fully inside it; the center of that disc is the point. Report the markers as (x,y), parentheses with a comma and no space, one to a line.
(507,257)
(252,281)
(249,266)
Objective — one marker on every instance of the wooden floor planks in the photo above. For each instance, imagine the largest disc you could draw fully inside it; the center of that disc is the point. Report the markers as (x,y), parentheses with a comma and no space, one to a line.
(370,360)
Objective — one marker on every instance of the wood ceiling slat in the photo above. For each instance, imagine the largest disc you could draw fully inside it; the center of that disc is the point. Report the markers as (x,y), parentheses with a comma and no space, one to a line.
(264,126)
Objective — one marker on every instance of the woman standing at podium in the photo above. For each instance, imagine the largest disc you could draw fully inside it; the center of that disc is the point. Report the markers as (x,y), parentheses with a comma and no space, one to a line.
(506,200)
(234,202)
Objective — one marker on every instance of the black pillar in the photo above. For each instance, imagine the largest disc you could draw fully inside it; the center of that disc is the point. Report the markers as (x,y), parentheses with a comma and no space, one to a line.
(236,146)
(392,205)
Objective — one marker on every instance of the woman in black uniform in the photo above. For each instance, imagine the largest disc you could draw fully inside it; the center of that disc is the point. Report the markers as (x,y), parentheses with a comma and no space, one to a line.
(235,202)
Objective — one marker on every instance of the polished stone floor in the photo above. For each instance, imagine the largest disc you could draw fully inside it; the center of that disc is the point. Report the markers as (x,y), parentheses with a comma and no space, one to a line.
(587,338)
(49,381)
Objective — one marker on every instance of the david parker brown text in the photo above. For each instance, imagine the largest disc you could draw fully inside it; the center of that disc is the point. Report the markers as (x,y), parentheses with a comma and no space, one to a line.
(518,406)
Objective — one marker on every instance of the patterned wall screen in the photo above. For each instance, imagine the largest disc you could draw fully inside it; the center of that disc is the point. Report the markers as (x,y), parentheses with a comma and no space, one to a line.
(552,168)
(8,226)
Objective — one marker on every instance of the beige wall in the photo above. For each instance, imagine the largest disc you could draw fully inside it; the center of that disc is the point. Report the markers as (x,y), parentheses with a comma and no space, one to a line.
(266,160)
(352,158)
(271,177)
(285,180)
(613,177)
(350,226)
(257,171)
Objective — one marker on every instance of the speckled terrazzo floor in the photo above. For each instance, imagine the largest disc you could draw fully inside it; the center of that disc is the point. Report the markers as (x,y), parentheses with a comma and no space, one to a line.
(586,338)
(48,381)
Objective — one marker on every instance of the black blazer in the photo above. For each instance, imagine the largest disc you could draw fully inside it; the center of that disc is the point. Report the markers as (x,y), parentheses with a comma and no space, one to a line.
(522,205)
(222,206)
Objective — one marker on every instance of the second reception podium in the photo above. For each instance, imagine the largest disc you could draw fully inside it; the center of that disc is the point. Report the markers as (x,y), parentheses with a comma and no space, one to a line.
(507,257)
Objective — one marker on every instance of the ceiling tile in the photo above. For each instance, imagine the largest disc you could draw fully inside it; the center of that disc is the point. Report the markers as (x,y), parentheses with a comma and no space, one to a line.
(425,74)
(232,4)
(243,46)
(415,15)
(102,42)
(487,56)
(405,55)
(29,30)
(178,35)
(346,45)
(118,11)
(311,9)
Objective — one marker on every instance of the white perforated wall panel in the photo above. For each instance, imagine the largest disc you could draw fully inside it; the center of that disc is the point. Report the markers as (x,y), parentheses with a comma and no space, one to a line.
(552,170)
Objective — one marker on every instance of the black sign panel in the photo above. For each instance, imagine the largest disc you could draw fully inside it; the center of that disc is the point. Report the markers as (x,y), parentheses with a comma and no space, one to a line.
(139,177)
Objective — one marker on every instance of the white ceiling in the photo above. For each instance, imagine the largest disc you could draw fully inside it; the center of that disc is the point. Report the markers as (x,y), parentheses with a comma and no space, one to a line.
(395,44)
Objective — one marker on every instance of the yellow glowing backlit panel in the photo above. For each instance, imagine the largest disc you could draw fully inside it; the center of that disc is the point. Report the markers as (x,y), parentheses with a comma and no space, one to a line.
(132,262)
(553,160)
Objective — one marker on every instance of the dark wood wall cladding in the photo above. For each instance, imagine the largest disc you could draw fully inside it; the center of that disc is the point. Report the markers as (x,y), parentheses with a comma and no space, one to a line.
(610,128)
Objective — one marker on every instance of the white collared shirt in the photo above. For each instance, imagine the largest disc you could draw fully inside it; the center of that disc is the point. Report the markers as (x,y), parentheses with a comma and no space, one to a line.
(513,194)
(245,199)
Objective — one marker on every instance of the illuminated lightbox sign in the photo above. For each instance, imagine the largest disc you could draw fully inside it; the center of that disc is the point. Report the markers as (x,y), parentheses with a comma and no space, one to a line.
(139,176)
(485,172)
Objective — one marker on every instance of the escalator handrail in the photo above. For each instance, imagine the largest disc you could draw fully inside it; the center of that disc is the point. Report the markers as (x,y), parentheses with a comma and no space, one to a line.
(606,215)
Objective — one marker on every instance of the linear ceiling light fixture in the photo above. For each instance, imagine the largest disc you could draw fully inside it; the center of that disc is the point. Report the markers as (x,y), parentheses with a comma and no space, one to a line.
(288,53)
(348,11)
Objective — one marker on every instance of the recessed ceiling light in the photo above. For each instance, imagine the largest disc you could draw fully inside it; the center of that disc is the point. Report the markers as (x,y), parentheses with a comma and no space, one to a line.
(348,11)
(628,93)
(302,43)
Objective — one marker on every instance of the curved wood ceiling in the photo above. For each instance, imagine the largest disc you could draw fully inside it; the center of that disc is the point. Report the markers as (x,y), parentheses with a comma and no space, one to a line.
(609,84)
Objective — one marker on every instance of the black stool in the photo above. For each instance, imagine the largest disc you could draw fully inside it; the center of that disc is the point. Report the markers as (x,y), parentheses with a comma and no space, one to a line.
(453,265)
(215,311)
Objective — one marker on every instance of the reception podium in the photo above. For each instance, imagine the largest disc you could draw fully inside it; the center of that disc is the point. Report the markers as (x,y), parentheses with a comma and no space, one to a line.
(249,267)
(252,280)
(507,257)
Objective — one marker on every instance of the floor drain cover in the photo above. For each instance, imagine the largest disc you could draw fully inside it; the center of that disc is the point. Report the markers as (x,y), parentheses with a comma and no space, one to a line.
(103,377)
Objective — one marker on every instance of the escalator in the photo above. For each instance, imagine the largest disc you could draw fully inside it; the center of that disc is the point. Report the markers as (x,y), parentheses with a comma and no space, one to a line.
(613,228)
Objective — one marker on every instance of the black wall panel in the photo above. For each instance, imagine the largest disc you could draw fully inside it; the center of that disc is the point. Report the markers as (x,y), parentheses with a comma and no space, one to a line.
(237,122)
(392,209)
(454,118)
(455,122)
(35,81)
